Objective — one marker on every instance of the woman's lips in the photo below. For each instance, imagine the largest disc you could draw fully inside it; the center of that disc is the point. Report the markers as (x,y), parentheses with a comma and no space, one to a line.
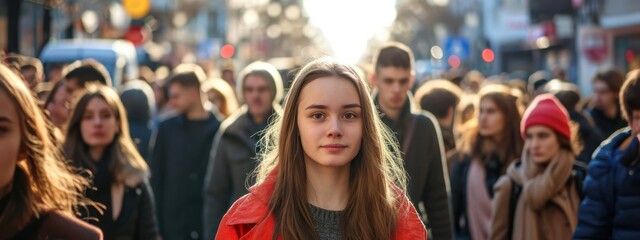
(333,147)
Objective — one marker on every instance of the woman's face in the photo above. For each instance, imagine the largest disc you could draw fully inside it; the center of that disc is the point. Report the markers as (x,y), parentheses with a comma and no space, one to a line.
(216,98)
(99,125)
(490,119)
(543,144)
(58,107)
(10,138)
(330,122)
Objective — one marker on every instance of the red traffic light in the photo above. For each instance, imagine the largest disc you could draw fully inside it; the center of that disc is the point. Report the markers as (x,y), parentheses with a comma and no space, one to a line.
(488,55)
(227,51)
(454,61)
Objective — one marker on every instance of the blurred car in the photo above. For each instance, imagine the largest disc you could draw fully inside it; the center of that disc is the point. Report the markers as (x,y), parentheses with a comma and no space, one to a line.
(118,56)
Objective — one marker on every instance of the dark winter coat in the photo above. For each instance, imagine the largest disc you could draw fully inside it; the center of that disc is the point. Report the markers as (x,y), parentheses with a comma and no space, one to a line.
(426,167)
(611,206)
(179,155)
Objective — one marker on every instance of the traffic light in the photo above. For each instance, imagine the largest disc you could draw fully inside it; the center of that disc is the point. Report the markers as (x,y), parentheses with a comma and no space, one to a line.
(227,51)
(488,55)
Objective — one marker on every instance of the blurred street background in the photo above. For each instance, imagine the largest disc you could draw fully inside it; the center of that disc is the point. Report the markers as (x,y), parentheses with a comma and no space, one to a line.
(573,36)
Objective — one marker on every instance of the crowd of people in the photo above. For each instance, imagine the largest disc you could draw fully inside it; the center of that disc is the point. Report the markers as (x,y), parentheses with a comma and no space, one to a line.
(346,152)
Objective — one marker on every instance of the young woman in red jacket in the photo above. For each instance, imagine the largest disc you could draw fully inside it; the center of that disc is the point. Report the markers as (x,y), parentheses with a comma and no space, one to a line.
(330,169)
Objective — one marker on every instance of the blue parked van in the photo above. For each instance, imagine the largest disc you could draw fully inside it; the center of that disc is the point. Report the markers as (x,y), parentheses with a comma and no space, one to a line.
(118,56)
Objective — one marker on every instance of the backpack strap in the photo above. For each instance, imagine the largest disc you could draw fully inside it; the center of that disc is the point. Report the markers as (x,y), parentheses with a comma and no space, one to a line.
(513,203)
(408,133)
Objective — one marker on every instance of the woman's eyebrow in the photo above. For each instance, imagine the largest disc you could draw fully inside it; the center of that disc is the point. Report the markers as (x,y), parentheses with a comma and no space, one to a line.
(5,119)
(320,106)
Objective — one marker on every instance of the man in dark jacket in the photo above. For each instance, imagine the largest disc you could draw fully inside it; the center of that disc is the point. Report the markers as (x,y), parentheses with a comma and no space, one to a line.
(180,148)
(612,203)
(233,156)
(606,103)
(419,136)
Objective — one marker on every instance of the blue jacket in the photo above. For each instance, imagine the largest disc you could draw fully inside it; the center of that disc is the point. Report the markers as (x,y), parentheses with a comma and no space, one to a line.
(611,205)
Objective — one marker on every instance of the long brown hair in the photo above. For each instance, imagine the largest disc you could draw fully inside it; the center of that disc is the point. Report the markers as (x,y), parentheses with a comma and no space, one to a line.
(128,167)
(511,143)
(376,173)
(43,181)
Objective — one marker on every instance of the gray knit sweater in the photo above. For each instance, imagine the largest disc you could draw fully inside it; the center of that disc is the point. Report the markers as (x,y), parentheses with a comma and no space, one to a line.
(327,223)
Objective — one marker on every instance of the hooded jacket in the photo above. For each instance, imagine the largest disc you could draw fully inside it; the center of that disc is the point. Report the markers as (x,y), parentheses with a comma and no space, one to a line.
(139,100)
(233,155)
(250,217)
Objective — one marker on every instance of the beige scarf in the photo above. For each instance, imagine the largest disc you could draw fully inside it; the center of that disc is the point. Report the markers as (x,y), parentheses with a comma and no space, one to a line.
(539,186)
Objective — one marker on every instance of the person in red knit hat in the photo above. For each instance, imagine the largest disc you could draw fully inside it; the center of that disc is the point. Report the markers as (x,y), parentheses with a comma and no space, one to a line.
(540,189)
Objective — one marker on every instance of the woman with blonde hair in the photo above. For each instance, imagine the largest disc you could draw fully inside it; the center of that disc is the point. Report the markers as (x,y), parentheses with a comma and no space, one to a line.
(39,193)
(331,169)
(220,93)
(98,140)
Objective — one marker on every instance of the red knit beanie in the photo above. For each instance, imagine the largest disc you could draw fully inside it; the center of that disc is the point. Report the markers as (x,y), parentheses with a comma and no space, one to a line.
(548,111)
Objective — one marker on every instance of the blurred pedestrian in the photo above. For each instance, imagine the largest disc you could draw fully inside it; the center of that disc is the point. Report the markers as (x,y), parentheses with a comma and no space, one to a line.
(138,99)
(80,73)
(418,134)
(228,74)
(491,142)
(331,170)
(466,110)
(589,136)
(180,149)
(233,157)
(472,82)
(536,82)
(76,76)
(38,191)
(538,198)
(57,104)
(98,140)
(605,108)
(441,97)
(610,208)
(32,72)
(222,95)
(161,94)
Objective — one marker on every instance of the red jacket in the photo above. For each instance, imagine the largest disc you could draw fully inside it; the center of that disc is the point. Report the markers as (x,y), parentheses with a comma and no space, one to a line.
(249,217)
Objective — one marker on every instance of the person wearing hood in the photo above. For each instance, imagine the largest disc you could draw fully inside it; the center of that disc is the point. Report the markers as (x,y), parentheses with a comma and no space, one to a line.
(221,94)
(233,156)
(139,101)
(419,136)
(541,185)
